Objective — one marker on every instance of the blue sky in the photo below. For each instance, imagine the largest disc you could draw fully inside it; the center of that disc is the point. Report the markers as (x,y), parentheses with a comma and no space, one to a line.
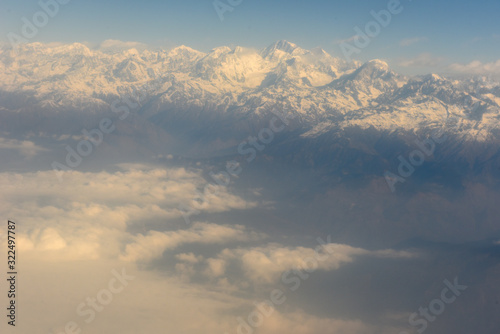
(436,33)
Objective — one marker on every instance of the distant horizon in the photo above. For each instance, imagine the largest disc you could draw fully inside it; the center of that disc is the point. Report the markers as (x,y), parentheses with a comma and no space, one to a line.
(413,36)
(114,46)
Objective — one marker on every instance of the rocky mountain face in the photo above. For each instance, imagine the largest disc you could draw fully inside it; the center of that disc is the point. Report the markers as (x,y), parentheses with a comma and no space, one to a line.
(364,115)
(321,91)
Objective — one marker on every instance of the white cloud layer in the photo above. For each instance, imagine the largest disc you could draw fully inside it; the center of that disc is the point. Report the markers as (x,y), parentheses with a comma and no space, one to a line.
(422,60)
(72,235)
(151,246)
(476,67)
(266,264)
(26,148)
(88,215)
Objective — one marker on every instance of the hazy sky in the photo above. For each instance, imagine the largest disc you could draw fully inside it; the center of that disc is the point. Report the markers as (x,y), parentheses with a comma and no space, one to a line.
(426,35)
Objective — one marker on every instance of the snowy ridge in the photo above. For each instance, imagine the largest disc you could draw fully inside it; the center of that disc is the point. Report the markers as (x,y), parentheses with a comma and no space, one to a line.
(324,91)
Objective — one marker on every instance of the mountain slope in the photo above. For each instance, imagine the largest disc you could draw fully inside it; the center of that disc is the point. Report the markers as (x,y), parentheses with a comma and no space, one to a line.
(322,91)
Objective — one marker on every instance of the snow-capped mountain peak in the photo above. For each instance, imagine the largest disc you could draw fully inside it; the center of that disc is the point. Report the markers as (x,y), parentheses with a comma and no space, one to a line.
(311,84)
(282,49)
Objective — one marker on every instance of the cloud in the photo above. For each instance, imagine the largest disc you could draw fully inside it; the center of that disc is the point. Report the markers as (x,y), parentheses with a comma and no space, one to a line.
(89,215)
(411,41)
(117,45)
(26,148)
(266,264)
(215,268)
(422,60)
(476,67)
(150,303)
(148,247)
(51,240)
(189,257)
(299,322)
(73,234)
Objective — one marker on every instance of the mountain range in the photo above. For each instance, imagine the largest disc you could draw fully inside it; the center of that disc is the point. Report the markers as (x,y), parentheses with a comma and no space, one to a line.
(322,93)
